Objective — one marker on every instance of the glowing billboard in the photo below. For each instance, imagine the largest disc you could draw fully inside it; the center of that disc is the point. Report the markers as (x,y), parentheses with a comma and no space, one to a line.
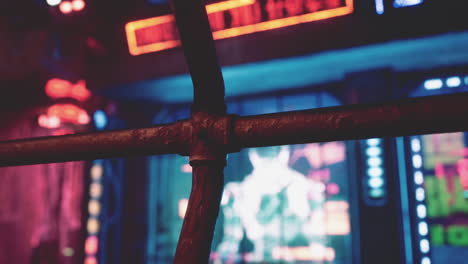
(234,18)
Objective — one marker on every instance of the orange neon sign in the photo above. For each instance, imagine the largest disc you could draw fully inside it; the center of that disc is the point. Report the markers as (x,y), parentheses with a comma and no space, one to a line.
(234,18)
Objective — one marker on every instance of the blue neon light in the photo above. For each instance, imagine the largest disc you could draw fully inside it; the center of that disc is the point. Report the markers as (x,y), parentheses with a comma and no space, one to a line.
(313,69)
(406,3)
(100,119)
(379,7)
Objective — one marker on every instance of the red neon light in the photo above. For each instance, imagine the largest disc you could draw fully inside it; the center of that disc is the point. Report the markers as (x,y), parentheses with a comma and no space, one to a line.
(69,113)
(90,260)
(66,7)
(61,132)
(91,245)
(160,33)
(58,88)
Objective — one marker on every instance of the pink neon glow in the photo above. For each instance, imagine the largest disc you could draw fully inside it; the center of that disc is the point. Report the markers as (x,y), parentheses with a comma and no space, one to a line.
(79,91)
(57,88)
(78,5)
(319,175)
(462,167)
(61,132)
(319,155)
(48,121)
(66,7)
(69,113)
(439,170)
(90,260)
(333,188)
(91,245)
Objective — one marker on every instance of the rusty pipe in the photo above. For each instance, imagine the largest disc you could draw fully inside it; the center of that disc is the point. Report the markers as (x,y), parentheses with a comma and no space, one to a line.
(200,53)
(436,114)
(164,139)
(425,115)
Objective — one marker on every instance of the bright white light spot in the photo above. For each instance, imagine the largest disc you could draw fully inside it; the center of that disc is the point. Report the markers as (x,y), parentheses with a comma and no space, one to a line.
(417,161)
(374,162)
(95,190)
(421,211)
(453,82)
(424,246)
(405,3)
(415,145)
(78,5)
(183,205)
(376,182)
(420,194)
(96,171)
(373,151)
(379,7)
(66,7)
(418,177)
(375,172)
(433,84)
(93,226)
(53,2)
(373,142)
(423,228)
(426,260)
(54,121)
(94,207)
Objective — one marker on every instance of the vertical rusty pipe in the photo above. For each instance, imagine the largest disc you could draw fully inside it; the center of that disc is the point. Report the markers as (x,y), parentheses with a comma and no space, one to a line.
(200,219)
(200,53)
(207,158)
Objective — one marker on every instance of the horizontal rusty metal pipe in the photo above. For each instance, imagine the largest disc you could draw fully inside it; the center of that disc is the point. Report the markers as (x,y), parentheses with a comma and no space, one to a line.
(436,114)
(447,113)
(164,139)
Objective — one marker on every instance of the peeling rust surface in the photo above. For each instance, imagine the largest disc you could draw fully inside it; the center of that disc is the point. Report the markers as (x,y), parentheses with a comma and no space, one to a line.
(447,113)
(229,133)
(163,139)
(197,231)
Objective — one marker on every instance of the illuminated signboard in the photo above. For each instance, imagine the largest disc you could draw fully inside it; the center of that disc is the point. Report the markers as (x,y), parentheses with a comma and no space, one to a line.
(234,18)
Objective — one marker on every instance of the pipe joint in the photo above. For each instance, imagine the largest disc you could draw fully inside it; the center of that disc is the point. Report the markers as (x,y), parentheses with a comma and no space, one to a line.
(212,137)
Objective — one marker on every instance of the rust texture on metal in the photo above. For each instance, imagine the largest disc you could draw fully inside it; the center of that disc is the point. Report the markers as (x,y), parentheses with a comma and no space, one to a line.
(207,158)
(164,139)
(424,115)
(210,133)
(448,113)
(203,207)
(211,130)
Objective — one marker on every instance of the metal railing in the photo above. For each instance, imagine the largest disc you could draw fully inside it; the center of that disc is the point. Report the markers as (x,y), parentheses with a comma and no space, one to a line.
(210,133)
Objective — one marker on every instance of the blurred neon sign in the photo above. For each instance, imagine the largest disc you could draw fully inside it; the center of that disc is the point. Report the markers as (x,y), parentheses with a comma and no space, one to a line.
(234,18)
(57,88)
